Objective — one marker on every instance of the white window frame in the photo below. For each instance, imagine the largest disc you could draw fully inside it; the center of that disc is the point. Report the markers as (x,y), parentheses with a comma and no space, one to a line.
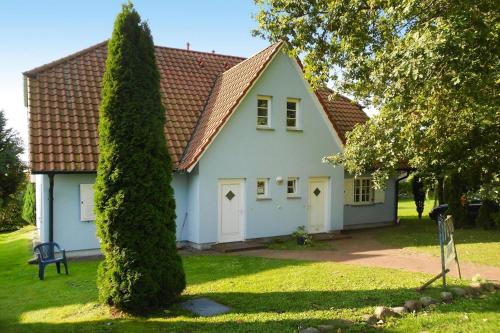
(297,113)
(268,99)
(295,194)
(265,195)
(364,190)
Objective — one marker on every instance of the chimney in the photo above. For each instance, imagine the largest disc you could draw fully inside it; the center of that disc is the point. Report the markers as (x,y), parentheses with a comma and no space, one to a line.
(187,46)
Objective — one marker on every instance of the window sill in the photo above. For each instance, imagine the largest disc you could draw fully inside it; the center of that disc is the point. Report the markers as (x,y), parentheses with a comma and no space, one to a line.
(364,204)
(264,128)
(263,198)
(293,197)
(292,129)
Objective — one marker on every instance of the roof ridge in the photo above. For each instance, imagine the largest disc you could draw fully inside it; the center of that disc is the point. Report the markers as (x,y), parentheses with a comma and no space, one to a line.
(344,97)
(48,65)
(36,70)
(202,52)
(277,45)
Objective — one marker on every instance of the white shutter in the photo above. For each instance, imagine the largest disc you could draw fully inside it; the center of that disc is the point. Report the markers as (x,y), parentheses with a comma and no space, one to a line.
(87,202)
(348,191)
(379,196)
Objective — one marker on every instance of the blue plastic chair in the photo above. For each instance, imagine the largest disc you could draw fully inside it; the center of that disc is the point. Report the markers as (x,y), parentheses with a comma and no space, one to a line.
(50,253)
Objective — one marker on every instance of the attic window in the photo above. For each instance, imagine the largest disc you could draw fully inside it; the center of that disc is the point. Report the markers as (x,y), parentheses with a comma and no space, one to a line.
(263,112)
(292,113)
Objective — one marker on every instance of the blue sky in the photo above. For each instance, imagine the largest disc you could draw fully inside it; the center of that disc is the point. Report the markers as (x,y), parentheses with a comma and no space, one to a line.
(34,32)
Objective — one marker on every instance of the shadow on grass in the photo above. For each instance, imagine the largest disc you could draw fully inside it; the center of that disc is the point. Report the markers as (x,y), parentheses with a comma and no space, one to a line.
(299,314)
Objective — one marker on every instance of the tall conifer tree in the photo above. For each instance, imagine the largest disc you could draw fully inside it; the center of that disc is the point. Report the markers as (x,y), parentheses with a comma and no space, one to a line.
(135,205)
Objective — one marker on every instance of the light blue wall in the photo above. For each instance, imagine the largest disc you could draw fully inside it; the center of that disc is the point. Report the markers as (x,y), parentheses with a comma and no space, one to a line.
(191,230)
(73,234)
(374,213)
(242,151)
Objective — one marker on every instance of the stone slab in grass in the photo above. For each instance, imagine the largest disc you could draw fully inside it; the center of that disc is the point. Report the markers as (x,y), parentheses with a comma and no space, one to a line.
(204,307)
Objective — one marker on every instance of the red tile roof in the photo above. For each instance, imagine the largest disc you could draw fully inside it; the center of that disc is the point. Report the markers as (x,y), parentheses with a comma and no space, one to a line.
(64,97)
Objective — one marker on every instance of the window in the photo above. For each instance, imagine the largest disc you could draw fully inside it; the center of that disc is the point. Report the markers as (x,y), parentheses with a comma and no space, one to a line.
(363,190)
(292,110)
(292,187)
(263,112)
(262,188)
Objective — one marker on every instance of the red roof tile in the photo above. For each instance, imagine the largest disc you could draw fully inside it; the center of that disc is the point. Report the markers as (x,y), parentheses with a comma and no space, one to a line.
(64,98)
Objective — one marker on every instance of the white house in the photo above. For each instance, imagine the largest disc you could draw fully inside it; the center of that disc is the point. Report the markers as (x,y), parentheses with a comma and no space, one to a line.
(246,138)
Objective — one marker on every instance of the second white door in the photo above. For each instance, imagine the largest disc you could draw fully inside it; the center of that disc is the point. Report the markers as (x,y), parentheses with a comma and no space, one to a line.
(318,206)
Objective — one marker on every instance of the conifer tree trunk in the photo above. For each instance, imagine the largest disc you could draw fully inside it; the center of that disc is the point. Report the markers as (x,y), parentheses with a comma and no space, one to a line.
(135,206)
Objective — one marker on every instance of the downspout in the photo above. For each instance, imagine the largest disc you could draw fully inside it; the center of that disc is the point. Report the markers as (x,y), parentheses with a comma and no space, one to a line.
(51,207)
(396,196)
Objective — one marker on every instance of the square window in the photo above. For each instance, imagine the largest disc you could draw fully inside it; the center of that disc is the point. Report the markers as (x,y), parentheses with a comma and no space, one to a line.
(263,111)
(292,187)
(262,188)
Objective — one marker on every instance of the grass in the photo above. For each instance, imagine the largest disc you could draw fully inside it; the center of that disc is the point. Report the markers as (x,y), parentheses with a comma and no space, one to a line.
(473,245)
(265,295)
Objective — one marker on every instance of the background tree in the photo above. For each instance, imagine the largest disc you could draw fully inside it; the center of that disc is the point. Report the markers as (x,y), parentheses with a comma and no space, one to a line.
(134,200)
(418,194)
(29,213)
(11,166)
(430,66)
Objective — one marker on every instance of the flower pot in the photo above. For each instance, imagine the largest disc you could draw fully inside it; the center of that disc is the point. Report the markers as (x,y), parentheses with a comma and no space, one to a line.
(301,240)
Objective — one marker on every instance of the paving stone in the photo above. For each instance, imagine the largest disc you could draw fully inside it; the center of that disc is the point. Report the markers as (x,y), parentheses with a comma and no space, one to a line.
(476,288)
(383,312)
(204,307)
(325,328)
(370,319)
(427,300)
(412,305)
(399,310)
(446,296)
(456,291)
(309,330)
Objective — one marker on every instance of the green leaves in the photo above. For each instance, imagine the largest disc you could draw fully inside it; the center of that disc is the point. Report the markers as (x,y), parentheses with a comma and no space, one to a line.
(135,205)
(430,67)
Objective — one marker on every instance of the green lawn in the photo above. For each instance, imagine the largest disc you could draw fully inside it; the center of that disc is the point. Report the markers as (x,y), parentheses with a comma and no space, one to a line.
(474,245)
(265,296)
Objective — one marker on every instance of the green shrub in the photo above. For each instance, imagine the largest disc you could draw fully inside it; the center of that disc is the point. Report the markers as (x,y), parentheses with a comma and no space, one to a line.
(486,217)
(135,207)
(29,213)
(11,213)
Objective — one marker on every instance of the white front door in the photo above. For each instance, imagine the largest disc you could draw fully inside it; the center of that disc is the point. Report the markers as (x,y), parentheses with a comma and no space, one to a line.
(231,210)
(318,205)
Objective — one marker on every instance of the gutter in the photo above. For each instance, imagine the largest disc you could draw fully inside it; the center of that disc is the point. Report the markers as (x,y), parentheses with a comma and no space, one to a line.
(396,196)
(51,207)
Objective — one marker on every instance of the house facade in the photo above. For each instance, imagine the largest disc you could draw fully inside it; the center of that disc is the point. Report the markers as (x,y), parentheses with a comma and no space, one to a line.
(246,137)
